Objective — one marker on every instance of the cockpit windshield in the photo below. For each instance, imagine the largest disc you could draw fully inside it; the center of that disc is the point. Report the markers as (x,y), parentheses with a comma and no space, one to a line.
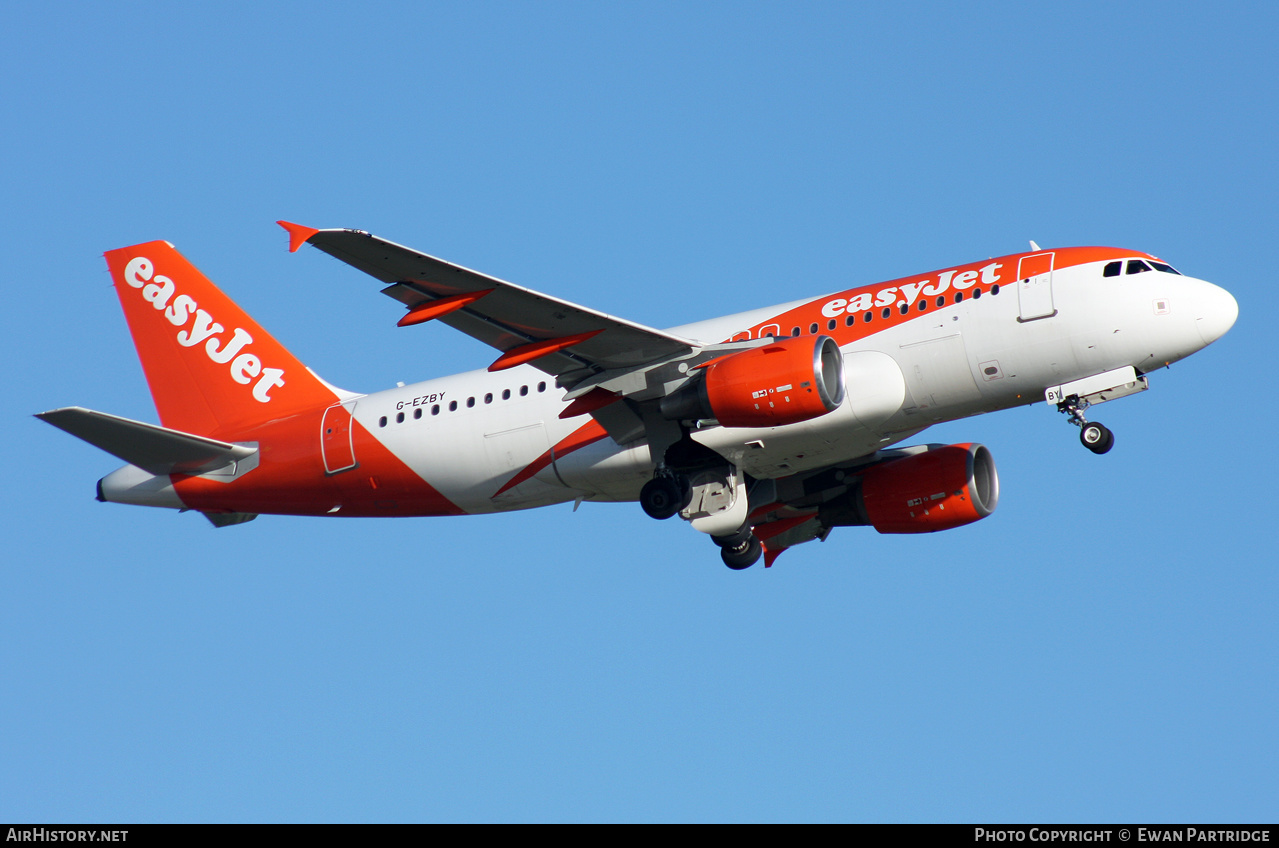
(1137,266)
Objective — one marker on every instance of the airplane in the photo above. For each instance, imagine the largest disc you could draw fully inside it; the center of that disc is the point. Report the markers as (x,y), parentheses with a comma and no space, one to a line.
(763,430)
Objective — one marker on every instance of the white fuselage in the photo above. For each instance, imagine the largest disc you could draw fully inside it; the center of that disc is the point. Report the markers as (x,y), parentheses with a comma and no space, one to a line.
(470,433)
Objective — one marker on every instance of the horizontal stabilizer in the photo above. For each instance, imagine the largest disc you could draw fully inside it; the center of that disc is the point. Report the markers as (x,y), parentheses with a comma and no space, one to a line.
(154,449)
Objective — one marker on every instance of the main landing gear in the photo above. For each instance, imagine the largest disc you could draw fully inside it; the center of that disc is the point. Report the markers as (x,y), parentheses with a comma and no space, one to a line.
(710,493)
(669,492)
(1094,436)
(740,550)
(666,494)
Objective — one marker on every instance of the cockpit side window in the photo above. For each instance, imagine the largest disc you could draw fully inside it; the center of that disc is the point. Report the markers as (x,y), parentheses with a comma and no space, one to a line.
(1166,268)
(1112,269)
(1136,266)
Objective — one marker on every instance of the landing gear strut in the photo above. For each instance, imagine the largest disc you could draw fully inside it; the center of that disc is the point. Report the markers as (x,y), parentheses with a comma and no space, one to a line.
(1094,436)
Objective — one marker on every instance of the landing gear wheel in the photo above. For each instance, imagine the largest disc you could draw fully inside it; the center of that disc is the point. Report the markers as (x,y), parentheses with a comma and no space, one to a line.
(1096,437)
(742,555)
(662,497)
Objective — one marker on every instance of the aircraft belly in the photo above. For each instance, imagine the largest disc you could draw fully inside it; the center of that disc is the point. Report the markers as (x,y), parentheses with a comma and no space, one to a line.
(773,452)
(604,470)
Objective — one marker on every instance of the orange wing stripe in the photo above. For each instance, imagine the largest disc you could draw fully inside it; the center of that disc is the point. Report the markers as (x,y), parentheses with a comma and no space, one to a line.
(424,312)
(588,433)
(536,350)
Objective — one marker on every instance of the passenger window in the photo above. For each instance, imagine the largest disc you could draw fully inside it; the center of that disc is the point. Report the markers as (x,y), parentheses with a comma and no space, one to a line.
(794,331)
(399,418)
(941,301)
(923,304)
(976,293)
(830,325)
(1136,266)
(488,397)
(381,422)
(470,402)
(435,410)
(541,387)
(1112,269)
(959,297)
(452,406)
(994,289)
(812,329)
(850,320)
(506,394)
(523,391)
(417,413)
(887,311)
(904,308)
(867,317)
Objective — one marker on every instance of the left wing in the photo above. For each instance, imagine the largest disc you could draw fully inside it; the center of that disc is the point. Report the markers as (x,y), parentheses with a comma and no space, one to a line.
(556,336)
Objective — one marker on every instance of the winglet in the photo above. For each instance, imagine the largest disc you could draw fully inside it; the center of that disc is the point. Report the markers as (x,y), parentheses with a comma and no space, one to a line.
(298,234)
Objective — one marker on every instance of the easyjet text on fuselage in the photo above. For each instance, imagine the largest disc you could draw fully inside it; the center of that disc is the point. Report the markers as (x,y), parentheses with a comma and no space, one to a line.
(905,293)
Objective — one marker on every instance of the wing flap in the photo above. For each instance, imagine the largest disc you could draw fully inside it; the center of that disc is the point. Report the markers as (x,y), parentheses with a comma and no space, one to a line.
(154,449)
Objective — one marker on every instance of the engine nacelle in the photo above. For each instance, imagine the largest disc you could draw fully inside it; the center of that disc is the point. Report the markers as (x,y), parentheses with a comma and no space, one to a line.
(946,486)
(785,382)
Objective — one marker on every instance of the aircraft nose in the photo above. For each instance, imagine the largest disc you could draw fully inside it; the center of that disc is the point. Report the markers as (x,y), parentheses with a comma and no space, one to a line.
(1217,313)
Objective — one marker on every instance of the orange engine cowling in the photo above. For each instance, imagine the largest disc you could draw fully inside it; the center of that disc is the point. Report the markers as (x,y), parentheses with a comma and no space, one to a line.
(785,382)
(946,486)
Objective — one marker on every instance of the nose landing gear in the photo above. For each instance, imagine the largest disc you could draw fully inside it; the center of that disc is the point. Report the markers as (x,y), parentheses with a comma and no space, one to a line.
(1092,435)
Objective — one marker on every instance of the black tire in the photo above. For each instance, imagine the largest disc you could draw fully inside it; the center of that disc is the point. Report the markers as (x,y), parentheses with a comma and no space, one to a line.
(661,498)
(1096,437)
(742,556)
(685,490)
(1108,444)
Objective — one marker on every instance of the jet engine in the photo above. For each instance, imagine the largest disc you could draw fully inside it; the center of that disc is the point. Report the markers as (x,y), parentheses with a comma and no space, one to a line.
(785,382)
(943,487)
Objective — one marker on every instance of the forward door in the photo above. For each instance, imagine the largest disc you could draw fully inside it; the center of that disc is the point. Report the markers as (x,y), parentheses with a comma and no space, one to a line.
(1035,287)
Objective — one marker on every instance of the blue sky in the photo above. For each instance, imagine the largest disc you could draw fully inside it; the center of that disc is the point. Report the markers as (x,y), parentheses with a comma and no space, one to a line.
(1102,648)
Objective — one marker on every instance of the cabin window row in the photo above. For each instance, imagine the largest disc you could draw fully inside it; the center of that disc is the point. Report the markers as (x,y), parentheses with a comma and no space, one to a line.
(454,405)
(887,311)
